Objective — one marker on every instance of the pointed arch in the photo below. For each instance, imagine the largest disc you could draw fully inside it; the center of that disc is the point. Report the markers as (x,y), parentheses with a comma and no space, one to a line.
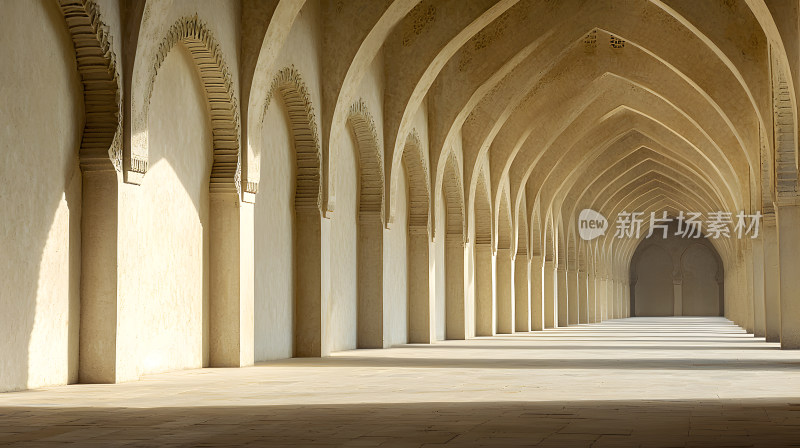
(785,141)
(485,322)
(421,307)
(219,90)
(370,159)
(455,229)
(572,250)
(369,322)
(418,183)
(483,211)
(454,198)
(549,247)
(504,294)
(303,124)
(560,244)
(308,324)
(522,230)
(504,230)
(100,158)
(101,144)
(537,245)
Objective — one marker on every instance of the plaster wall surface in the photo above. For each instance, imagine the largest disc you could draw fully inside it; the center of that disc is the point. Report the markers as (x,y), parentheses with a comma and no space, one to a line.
(395,271)
(40,198)
(274,240)
(163,248)
(344,240)
(439,267)
(654,286)
(676,276)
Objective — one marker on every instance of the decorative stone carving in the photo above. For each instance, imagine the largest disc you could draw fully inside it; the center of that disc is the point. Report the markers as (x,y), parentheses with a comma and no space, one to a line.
(483,211)
(454,195)
(308,154)
(492,33)
(590,41)
(422,16)
(418,184)
(101,143)
(219,90)
(616,42)
(785,162)
(371,199)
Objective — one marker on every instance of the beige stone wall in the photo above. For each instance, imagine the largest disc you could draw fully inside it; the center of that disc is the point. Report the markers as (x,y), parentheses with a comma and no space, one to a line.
(344,250)
(274,240)
(40,130)
(163,251)
(440,268)
(395,272)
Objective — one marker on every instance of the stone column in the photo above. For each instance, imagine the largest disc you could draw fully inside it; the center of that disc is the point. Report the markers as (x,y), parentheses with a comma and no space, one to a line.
(759,327)
(627,299)
(231,235)
(309,329)
(522,293)
(421,327)
(583,297)
(484,300)
(504,292)
(747,287)
(537,293)
(550,292)
(677,294)
(455,308)
(572,296)
(772,280)
(602,303)
(610,297)
(98,325)
(369,323)
(592,293)
(788,218)
(561,294)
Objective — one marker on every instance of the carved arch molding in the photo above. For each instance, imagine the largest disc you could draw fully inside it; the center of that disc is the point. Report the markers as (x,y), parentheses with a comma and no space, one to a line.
(218,87)
(101,142)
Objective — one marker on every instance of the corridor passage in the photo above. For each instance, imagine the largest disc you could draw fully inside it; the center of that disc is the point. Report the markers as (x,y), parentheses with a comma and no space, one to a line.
(676,381)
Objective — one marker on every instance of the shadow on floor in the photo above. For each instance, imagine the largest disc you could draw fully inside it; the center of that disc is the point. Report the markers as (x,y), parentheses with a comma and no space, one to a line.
(758,422)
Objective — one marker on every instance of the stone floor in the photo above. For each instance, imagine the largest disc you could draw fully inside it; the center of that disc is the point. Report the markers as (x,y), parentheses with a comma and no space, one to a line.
(631,382)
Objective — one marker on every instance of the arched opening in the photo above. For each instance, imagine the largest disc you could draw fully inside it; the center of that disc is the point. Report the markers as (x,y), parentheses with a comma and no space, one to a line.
(420,306)
(549,275)
(572,278)
(299,192)
(369,331)
(522,270)
(562,288)
(99,157)
(174,219)
(484,301)
(455,304)
(503,284)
